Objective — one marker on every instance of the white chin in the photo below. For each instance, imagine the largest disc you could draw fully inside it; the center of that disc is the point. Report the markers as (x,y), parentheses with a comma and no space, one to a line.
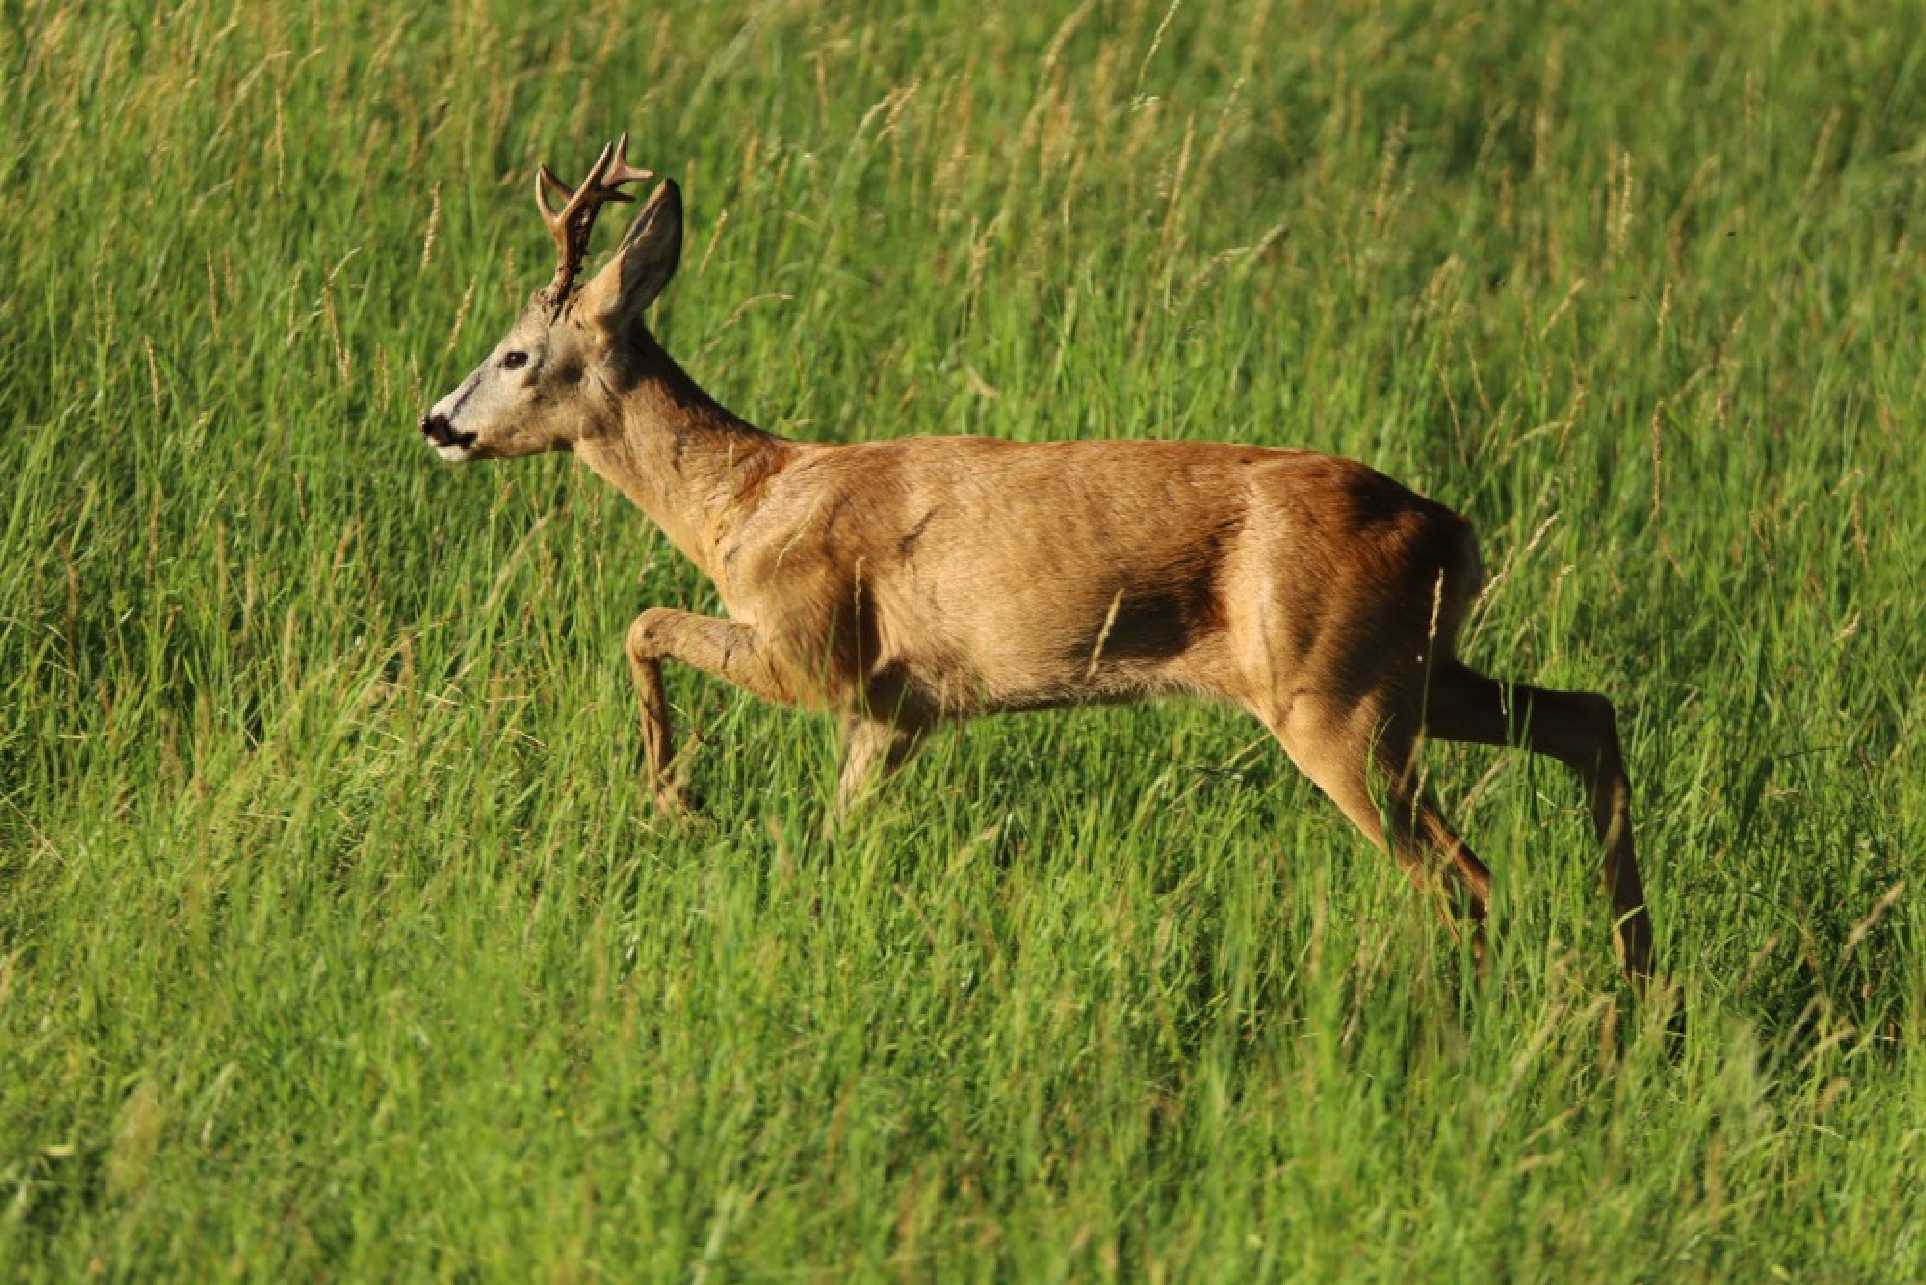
(453,454)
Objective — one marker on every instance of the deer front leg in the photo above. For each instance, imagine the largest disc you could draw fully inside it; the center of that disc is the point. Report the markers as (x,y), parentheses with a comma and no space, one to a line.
(724,648)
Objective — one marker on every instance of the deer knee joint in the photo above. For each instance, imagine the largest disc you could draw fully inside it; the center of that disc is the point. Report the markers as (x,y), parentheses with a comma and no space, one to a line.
(1602,715)
(1599,750)
(645,636)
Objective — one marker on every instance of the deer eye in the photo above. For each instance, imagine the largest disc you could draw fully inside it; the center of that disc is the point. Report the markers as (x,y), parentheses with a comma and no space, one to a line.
(515,360)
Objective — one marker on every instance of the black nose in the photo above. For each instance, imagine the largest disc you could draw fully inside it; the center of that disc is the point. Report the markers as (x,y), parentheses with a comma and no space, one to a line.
(439,431)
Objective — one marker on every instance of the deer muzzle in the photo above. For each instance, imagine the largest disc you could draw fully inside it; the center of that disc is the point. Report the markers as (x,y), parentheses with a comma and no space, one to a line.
(449,442)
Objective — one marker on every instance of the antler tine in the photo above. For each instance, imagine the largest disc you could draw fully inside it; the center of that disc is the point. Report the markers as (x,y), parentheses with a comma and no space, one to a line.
(571,225)
(623,172)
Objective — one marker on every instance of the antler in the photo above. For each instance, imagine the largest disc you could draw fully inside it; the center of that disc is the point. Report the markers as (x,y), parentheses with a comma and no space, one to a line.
(572,224)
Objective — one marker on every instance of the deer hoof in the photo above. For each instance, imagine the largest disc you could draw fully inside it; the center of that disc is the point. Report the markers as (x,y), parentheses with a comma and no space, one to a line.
(672,803)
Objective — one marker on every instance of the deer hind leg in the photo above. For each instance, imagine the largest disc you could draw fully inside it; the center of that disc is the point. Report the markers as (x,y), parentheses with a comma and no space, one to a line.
(1362,755)
(725,648)
(873,748)
(1580,730)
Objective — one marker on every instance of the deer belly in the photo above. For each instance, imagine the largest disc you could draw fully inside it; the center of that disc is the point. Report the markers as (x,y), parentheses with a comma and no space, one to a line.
(1040,645)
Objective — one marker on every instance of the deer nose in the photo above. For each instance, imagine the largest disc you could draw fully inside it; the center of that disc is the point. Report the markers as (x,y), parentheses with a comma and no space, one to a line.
(435,428)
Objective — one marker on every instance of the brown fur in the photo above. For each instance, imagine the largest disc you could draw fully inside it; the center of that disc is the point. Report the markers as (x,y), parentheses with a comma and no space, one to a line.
(906,582)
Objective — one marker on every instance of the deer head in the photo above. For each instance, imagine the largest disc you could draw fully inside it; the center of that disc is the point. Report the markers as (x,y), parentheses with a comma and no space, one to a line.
(554,378)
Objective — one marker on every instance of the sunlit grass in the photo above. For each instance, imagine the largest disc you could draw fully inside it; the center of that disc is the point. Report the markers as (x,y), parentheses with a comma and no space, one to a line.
(336,939)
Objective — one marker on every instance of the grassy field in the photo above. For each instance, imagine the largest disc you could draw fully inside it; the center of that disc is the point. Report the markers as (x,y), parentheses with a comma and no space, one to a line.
(337,942)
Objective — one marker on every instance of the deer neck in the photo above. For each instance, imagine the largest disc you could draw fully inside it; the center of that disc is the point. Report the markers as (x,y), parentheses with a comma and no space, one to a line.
(678,455)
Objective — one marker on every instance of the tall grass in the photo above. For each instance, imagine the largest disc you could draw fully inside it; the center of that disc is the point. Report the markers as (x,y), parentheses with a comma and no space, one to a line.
(336,940)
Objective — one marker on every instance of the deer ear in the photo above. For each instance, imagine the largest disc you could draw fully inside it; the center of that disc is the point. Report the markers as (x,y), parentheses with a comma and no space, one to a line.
(643,264)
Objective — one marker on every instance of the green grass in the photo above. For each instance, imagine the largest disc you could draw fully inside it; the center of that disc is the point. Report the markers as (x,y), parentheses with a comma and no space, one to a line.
(336,940)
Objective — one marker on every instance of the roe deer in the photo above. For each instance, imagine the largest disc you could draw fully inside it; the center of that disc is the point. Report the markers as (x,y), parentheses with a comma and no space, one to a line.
(901,583)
